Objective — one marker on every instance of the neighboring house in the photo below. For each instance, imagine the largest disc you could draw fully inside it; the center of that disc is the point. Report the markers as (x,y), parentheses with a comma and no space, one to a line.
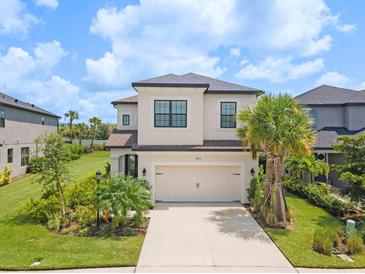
(20,124)
(179,133)
(335,111)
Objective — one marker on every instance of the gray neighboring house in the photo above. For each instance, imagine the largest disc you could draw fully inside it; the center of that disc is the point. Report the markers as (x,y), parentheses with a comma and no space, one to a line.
(20,124)
(336,112)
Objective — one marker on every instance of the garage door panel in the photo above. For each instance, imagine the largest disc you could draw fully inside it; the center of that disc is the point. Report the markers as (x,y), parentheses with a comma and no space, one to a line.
(198,183)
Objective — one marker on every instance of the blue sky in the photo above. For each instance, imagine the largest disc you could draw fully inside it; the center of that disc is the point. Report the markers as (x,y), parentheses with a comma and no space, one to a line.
(81,55)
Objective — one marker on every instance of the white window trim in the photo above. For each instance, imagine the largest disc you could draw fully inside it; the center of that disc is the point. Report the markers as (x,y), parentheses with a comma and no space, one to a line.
(131,124)
(237,101)
(188,113)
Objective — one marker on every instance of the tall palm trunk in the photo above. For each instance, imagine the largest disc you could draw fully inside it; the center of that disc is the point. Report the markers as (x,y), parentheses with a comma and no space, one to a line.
(278,200)
(268,176)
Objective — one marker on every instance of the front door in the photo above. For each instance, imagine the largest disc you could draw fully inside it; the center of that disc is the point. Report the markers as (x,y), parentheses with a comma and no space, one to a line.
(131,165)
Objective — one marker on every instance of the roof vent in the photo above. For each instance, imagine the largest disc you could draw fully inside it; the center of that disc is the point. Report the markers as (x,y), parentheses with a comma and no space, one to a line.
(16,100)
(32,105)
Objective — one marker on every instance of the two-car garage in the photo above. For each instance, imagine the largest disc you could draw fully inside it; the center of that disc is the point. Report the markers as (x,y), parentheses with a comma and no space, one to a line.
(200,183)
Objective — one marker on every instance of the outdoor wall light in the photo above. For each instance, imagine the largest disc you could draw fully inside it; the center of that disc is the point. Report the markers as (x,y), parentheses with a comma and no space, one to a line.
(252,171)
(144,171)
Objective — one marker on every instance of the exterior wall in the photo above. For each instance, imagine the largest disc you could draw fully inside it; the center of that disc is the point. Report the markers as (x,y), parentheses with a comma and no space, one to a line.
(212,130)
(149,161)
(21,129)
(191,135)
(132,110)
(354,117)
(329,116)
(333,159)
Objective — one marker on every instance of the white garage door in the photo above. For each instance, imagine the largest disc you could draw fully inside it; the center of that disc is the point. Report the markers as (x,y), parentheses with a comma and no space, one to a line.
(198,183)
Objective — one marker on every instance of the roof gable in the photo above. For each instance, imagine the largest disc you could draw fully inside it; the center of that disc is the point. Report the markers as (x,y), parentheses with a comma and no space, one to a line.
(330,95)
(196,80)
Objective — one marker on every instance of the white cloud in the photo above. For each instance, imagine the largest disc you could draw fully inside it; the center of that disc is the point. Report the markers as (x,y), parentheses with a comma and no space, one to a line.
(51,4)
(333,78)
(362,86)
(14,18)
(279,70)
(346,27)
(162,36)
(30,77)
(236,52)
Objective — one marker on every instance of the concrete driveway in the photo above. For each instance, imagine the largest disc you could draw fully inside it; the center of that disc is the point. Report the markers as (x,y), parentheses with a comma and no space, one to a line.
(208,238)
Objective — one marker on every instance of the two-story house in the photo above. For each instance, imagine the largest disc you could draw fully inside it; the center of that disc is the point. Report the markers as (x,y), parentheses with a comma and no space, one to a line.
(179,133)
(20,124)
(335,111)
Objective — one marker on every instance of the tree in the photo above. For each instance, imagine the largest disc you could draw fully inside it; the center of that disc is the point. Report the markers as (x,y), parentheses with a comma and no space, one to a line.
(353,167)
(54,172)
(299,165)
(279,126)
(81,131)
(95,122)
(71,115)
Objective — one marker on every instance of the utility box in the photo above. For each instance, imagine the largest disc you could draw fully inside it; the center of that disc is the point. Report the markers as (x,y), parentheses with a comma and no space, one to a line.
(350,227)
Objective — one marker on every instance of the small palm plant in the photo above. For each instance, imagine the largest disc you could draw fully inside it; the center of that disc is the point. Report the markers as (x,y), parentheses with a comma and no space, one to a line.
(122,195)
(279,127)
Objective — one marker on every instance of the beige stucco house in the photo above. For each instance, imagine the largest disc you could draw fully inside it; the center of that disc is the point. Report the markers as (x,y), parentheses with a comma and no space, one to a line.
(20,124)
(179,133)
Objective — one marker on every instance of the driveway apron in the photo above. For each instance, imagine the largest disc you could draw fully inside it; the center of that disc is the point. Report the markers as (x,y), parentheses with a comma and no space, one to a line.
(208,238)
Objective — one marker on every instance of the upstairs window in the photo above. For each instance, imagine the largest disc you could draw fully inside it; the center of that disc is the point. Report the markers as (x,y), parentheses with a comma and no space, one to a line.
(170,113)
(24,156)
(2,117)
(228,114)
(313,114)
(126,120)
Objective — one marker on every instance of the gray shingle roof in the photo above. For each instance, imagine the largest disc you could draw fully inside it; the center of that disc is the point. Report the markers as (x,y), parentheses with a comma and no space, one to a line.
(122,139)
(329,95)
(13,102)
(128,100)
(327,136)
(196,80)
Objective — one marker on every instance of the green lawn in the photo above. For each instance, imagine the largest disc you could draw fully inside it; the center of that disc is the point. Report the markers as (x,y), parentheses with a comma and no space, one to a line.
(23,242)
(296,243)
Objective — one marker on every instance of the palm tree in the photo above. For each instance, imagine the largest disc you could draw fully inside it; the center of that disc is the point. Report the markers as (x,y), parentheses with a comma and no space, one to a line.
(95,122)
(299,165)
(71,115)
(278,126)
(81,130)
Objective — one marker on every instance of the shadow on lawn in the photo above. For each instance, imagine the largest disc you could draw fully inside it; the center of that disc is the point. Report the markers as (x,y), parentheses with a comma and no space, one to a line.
(239,223)
(21,218)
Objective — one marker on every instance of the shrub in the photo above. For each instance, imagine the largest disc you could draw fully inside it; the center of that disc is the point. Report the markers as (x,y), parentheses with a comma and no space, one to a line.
(323,241)
(294,185)
(124,194)
(97,147)
(106,229)
(81,193)
(75,151)
(87,231)
(6,176)
(256,190)
(127,231)
(85,215)
(36,164)
(319,194)
(47,210)
(355,244)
